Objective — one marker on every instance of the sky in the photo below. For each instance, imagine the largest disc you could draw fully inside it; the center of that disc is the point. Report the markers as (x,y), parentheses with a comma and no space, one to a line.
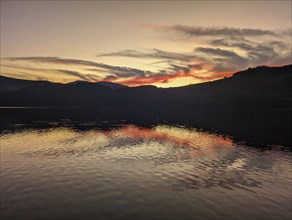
(161,43)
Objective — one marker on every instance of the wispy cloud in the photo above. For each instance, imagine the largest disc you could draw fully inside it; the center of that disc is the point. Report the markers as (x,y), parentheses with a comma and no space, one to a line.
(265,52)
(225,48)
(217,51)
(153,54)
(213,31)
(185,69)
(223,60)
(114,70)
(247,45)
(78,75)
(86,77)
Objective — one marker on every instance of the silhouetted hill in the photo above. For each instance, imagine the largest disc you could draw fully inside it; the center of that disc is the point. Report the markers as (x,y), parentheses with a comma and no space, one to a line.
(111,85)
(103,83)
(260,87)
(9,84)
(254,87)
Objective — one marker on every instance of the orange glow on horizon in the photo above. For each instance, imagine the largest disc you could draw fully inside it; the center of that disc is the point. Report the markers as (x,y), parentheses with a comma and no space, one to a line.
(167,79)
(139,81)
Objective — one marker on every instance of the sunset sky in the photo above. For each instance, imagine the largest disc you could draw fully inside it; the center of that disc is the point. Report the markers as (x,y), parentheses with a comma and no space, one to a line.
(163,43)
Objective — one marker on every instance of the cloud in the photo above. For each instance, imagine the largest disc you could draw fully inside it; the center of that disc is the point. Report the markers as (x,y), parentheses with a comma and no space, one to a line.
(126,71)
(223,60)
(158,62)
(228,43)
(54,60)
(216,51)
(114,70)
(187,69)
(86,77)
(214,31)
(154,54)
(124,53)
(233,48)
(247,45)
(225,49)
(110,78)
(268,52)
(82,76)
(109,71)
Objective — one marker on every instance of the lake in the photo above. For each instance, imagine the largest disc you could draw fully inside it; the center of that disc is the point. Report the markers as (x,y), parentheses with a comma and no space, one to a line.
(118,170)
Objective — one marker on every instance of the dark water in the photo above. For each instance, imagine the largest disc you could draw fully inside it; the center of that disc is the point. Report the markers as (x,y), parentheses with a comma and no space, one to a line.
(254,126)
(114,169)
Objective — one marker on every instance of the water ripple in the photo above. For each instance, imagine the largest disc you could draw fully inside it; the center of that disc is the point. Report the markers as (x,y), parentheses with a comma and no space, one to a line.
(163,172)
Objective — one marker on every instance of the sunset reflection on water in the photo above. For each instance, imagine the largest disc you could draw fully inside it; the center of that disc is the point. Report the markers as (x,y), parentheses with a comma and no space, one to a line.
(155,172)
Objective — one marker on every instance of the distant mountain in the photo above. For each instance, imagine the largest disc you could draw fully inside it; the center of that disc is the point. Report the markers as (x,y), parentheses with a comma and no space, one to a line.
(111,85)
(78,82)
(260,87)
(9,84)
(103,83)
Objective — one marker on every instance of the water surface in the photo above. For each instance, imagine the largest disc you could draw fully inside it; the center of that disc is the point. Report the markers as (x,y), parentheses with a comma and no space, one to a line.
(133,172)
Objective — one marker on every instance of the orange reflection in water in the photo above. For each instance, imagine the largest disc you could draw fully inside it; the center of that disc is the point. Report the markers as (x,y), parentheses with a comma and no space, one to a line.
(181,137)
(58,142)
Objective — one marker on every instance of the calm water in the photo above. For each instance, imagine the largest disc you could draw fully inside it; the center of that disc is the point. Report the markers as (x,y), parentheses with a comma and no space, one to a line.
(130,172)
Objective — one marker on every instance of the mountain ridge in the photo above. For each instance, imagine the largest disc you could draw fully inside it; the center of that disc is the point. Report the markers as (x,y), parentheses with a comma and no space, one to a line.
(255,87)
